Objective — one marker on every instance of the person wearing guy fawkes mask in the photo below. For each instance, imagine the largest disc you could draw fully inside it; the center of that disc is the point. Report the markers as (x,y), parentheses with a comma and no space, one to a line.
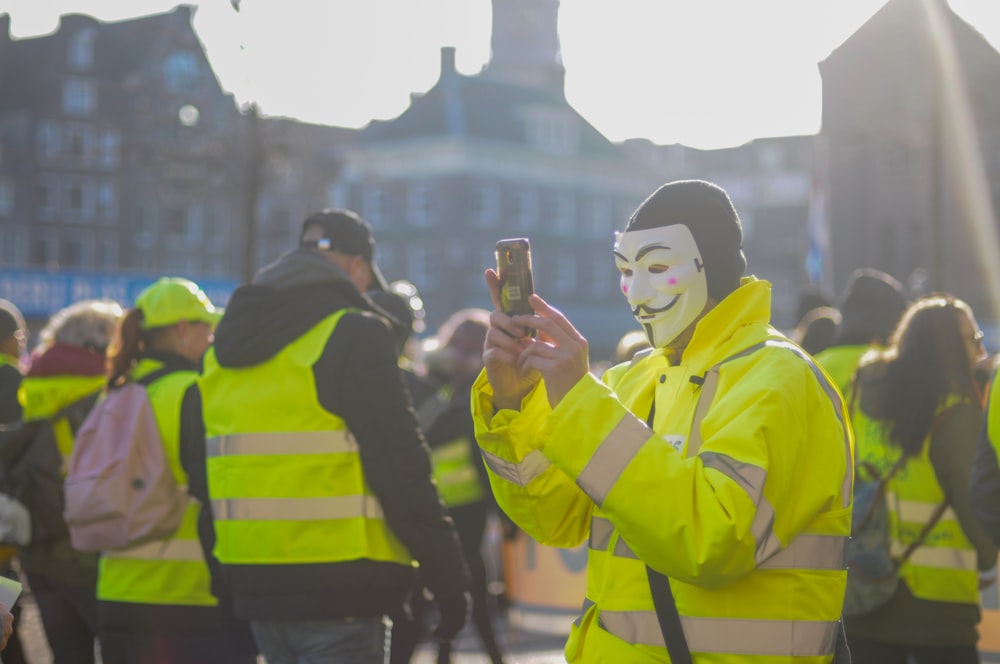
(718,458)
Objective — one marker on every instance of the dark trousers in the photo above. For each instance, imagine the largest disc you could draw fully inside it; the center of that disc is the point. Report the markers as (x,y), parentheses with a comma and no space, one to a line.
(161,634)
(864,651)
(69,616)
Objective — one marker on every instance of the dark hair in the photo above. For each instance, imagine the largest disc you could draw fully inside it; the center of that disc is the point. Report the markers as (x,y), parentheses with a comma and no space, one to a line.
(925,362)
(817,329)
(870,307)
(129,343)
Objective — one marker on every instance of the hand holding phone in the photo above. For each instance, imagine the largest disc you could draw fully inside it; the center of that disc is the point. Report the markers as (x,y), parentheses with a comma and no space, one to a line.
(516,280)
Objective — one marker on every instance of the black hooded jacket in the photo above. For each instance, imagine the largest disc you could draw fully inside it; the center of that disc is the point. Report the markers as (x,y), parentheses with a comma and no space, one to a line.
(357,379)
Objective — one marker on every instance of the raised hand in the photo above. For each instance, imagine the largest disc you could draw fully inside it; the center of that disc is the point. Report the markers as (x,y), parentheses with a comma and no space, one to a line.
(560,353)
(505,341)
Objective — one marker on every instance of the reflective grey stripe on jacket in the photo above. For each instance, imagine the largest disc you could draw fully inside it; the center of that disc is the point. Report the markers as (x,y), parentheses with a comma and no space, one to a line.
(776,638)
(807,551)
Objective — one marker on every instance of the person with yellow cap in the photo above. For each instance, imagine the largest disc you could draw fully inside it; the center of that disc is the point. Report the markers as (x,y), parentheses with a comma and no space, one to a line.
(155,602)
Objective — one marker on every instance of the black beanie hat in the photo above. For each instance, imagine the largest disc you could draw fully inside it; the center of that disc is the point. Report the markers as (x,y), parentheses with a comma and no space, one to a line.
(707,211)
(870,306)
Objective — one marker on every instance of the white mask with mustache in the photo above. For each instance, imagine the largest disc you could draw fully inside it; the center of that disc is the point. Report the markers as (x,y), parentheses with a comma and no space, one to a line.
(663,277)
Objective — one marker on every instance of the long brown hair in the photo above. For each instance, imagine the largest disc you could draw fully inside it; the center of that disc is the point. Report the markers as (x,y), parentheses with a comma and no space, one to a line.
(926,362)
(129,344)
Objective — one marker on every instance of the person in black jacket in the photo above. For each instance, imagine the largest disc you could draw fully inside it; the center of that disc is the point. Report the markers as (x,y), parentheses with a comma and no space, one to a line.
(321,604)
(12,340)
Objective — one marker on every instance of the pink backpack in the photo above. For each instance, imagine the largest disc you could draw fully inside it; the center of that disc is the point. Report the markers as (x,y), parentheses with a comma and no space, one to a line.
(120,490)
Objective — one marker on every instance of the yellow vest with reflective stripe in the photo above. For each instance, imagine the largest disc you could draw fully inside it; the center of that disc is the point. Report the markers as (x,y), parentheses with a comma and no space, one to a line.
(944,567)
(170,571)
(42,397)
(284,474)
(458,480)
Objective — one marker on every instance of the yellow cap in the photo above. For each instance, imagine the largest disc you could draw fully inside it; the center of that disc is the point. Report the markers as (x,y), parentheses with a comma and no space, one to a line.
(173,299)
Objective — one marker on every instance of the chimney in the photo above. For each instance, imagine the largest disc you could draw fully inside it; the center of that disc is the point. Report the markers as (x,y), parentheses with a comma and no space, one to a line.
(5,27)
(447,61)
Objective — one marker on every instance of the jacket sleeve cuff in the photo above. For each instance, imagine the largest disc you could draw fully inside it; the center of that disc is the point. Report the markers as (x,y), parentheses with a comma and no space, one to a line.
(511,434)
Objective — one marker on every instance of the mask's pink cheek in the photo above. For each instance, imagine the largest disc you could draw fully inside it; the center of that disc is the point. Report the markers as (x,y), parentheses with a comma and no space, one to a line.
(624,289)
(672,281)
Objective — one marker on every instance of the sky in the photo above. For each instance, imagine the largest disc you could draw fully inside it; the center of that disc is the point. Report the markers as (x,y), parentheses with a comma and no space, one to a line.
(703,73)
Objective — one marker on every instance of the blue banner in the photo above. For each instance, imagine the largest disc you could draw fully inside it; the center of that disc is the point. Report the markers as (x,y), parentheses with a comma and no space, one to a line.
(39,293)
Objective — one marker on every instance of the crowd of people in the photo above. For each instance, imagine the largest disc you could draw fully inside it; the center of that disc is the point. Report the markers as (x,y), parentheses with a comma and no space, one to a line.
(339,484)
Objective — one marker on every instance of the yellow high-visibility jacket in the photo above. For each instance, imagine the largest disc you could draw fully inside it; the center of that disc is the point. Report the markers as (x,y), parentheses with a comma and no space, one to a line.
(171,571)
(748,513)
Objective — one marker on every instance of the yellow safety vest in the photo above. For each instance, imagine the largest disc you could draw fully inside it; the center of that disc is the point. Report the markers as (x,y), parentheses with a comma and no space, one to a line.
(944,567)
(840,362)
(777,593)
(170,571)
(42,397)
(457,479)
(284,474)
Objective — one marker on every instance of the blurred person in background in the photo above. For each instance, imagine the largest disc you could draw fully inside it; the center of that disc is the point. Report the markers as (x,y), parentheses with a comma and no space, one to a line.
(313,461)
(458,466)
(817,330)
(66,376)
(155,603)
(918,398)
(870,307)
(13,337)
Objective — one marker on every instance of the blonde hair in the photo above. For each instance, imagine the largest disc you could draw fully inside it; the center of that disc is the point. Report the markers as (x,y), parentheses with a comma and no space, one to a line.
(87,324)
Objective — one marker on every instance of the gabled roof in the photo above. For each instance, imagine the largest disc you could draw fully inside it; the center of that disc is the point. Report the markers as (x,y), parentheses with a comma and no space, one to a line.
(478,107)
(119,48)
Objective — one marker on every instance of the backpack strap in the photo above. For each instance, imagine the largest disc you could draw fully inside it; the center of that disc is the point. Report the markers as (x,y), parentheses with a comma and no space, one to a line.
(153,376)
(664,603)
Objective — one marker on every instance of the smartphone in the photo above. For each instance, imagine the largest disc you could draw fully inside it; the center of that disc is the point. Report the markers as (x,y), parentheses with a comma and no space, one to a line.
(516,282)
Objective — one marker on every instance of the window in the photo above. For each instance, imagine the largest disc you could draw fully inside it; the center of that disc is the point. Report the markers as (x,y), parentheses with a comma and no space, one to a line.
(596,215)
(48,196)
(180,70)
(525,213)
(110,149)
(6,197)
(376,205)
(553,133)
(419,205)
(564,273)
(45,248)
(565,213)
(107,253)
(80,199)
(48,141)
(80,145)
(216,224)
(76,251)
(12,245)
(418,267)
(145,227)
(107,201)
(182,225)
(79,97)
(485,205)
(81,50)
(602,278)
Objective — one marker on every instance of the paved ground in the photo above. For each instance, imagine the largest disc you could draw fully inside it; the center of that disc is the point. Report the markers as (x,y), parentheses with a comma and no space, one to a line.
(523,647)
